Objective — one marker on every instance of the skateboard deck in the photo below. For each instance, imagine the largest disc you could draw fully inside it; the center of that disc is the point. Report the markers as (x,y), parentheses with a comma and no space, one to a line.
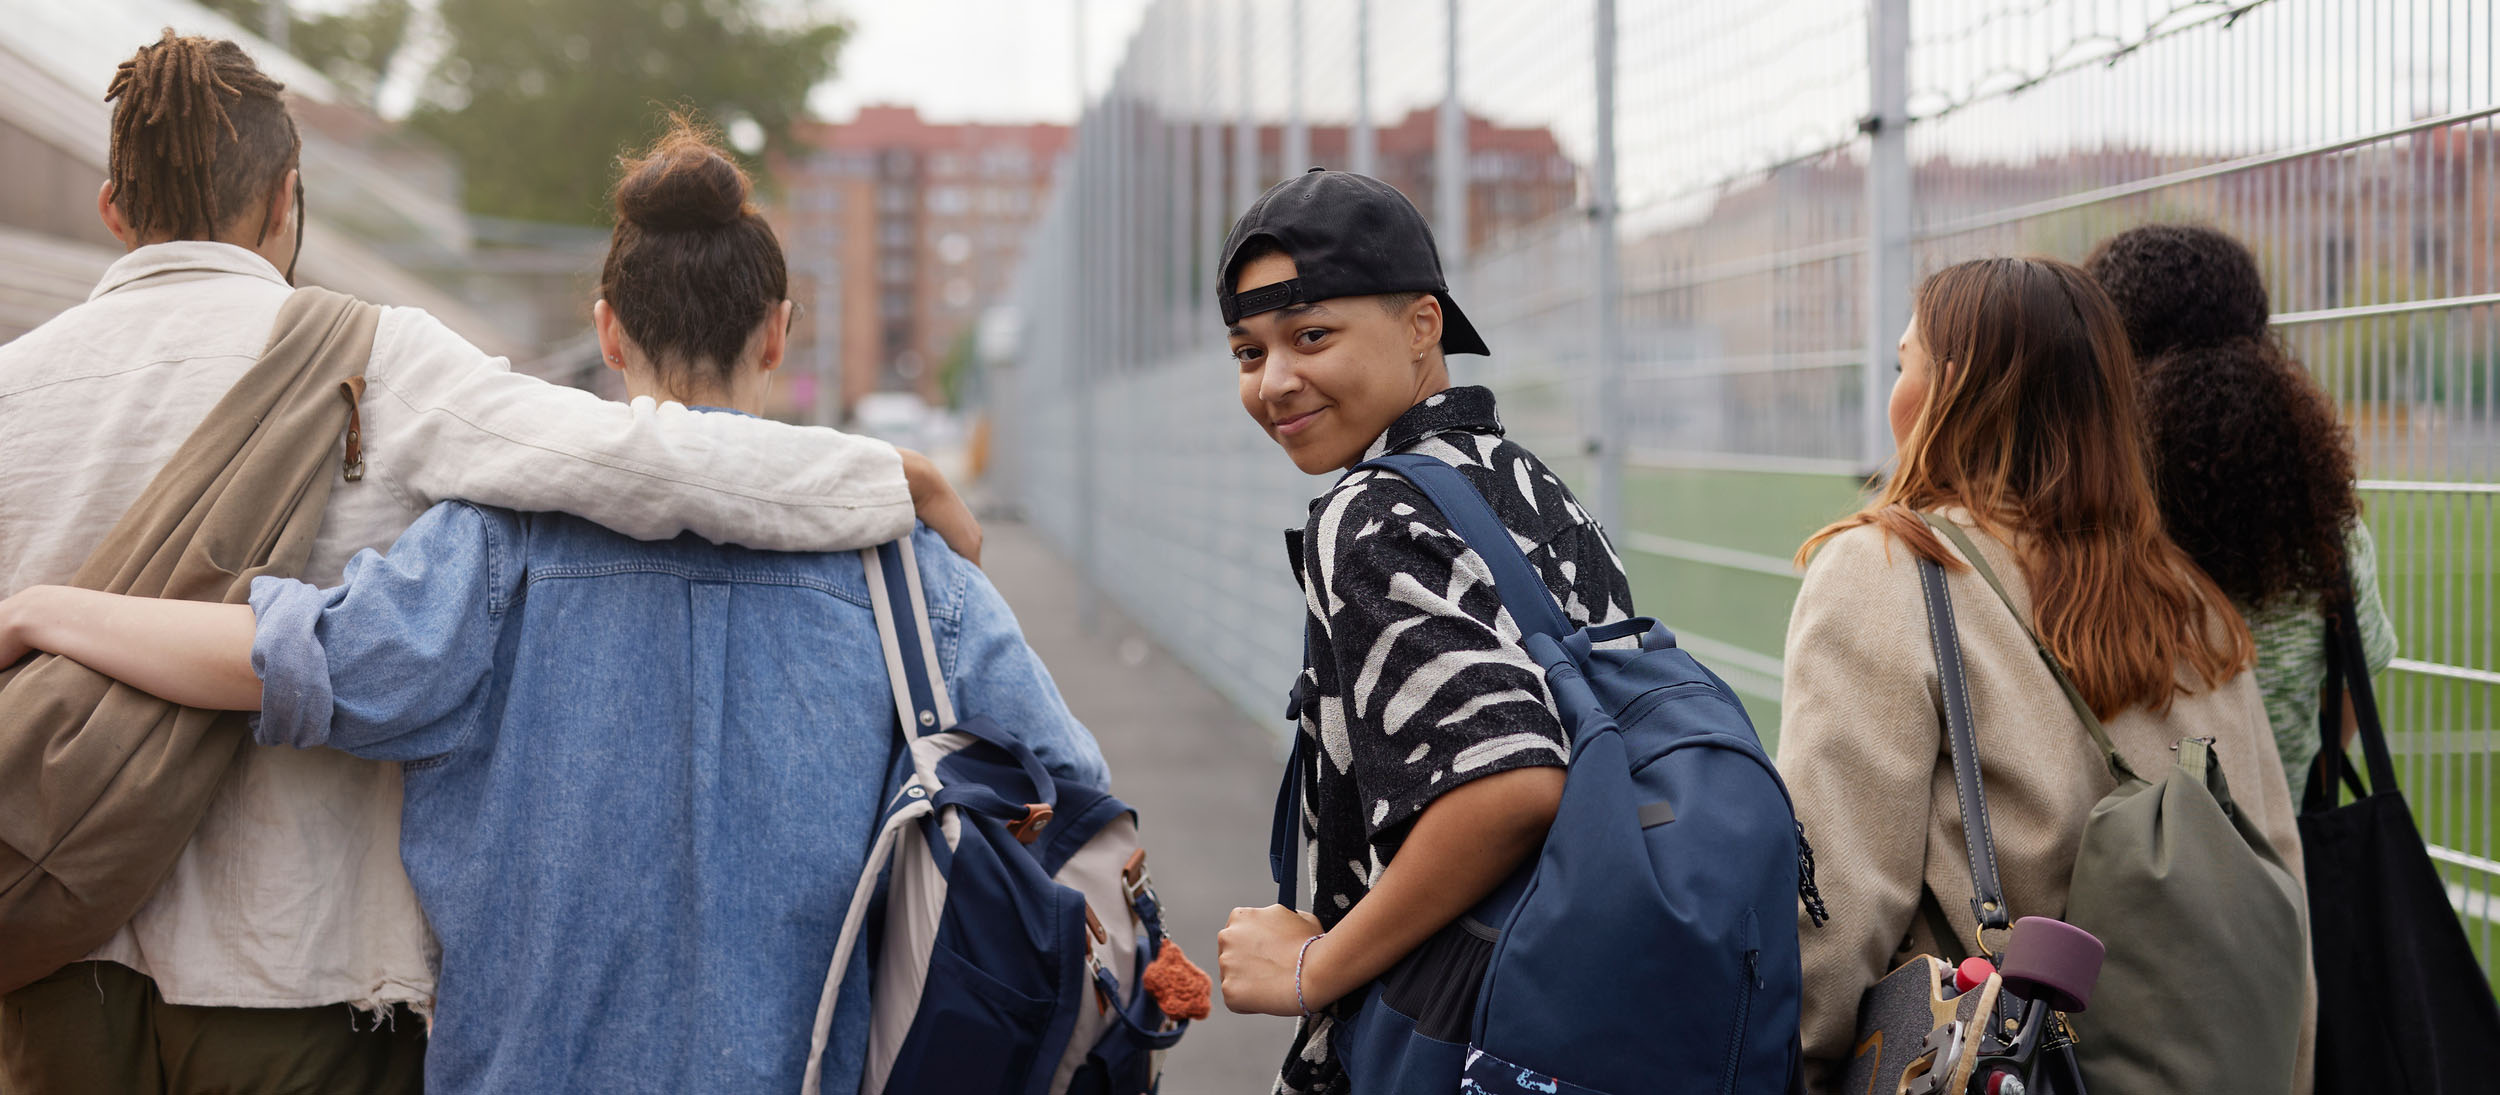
(1913,1027)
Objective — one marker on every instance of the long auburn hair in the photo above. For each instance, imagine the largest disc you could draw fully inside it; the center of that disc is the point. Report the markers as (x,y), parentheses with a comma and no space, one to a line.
(2031,423)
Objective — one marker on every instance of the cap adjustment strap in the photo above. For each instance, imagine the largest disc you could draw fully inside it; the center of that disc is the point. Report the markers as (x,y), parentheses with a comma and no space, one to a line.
(1267,298)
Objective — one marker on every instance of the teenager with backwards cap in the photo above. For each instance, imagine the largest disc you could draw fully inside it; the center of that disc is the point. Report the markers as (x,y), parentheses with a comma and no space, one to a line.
(1434,755)
(289,907)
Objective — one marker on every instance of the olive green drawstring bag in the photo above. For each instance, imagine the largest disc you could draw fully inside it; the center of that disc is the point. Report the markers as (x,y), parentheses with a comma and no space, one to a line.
(2206,929)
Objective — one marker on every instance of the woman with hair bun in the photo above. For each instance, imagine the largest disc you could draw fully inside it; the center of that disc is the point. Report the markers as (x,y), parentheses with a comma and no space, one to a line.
(641,776)
(2253,469)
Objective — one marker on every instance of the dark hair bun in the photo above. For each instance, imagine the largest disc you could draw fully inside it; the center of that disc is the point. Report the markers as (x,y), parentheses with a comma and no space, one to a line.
(2181,286)
(684,182)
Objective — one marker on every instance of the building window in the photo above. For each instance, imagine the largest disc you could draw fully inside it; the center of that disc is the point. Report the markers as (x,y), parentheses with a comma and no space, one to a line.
(949,200)
(1006,161)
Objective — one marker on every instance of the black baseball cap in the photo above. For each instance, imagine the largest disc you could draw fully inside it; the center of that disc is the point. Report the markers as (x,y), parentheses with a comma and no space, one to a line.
(1348,235)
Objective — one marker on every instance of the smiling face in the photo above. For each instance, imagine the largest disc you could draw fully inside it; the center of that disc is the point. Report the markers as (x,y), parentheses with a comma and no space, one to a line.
(1325,379)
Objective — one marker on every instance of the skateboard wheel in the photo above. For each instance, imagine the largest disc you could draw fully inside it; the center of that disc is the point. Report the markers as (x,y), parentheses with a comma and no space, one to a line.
(2052,961)
(2001,1082)
(1972,973)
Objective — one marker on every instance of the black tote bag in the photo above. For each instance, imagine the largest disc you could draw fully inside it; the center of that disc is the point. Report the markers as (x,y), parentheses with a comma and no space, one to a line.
(2402,1003)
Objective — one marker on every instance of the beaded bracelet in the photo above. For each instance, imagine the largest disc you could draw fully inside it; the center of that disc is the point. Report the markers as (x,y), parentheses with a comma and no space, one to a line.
(1305,952)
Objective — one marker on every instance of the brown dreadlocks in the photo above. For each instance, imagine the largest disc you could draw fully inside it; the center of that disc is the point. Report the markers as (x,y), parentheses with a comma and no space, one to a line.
(200,138)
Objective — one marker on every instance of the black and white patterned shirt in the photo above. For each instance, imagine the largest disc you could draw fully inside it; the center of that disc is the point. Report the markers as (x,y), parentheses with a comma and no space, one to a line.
(1416,682)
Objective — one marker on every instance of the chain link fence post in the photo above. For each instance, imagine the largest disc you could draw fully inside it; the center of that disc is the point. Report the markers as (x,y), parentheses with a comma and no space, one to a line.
(1888,265)
(1449,187)
(1365,152)
(1607,444)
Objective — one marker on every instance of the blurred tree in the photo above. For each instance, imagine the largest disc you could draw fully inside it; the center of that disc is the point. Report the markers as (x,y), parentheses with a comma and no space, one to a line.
(538,97)
(959,377)
(353,47)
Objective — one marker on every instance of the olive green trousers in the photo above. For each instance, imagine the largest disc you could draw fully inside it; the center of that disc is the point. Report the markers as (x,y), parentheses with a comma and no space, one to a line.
(99,1028)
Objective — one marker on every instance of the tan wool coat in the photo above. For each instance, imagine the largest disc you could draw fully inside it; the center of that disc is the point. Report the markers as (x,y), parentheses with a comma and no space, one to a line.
(1861,746)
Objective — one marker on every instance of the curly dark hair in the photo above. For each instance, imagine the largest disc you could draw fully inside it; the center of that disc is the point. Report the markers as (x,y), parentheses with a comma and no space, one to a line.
(2180,286)
(2253,467)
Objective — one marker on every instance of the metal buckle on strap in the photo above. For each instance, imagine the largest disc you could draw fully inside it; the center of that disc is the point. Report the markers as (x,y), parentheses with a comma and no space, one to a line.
(1138,887)
(1104,983)
(1133,873)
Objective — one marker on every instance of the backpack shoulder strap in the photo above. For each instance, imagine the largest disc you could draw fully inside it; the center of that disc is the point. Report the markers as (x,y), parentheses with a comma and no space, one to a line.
(1523,592)
(1962,743)
(921,708)
(911,663)
(2074,696)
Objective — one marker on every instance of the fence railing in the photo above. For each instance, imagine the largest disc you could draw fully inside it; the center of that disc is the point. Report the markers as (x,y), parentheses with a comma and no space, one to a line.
(1692,274)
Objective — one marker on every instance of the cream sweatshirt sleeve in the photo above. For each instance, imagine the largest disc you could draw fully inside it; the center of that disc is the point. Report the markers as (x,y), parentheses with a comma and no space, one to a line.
(445,421)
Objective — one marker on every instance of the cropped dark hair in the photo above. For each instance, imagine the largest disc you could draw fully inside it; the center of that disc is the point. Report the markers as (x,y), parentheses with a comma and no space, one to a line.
(201,137)
(2252,465)
(692,267)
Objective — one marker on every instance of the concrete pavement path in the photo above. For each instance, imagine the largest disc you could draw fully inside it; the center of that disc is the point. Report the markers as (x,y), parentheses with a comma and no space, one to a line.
(1201,775)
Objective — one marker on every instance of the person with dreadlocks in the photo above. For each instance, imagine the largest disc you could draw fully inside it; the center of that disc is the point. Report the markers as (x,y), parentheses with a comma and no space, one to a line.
(285,950)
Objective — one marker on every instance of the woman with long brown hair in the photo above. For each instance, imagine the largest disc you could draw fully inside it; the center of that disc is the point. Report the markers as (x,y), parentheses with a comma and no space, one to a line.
(2016,419)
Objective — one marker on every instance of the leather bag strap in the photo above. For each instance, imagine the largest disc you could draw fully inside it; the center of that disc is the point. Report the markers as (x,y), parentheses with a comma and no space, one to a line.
(2074,696)
(1962,743)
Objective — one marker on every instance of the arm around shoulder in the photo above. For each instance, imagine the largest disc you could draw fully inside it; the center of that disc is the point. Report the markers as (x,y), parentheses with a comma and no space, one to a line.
(447,421)
(395,662)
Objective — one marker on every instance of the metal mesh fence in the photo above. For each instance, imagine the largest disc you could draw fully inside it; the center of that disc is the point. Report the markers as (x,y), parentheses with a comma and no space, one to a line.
(1691,345)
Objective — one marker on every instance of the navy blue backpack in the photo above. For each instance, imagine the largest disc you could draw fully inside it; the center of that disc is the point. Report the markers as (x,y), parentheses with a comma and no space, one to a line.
(1652,945)
(1007,914)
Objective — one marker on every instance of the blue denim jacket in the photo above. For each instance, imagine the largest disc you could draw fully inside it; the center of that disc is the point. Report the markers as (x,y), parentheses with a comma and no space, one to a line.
(641,779)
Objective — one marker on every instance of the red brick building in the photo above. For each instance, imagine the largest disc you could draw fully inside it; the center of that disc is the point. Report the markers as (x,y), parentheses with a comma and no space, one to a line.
(1515,177)
(899,233)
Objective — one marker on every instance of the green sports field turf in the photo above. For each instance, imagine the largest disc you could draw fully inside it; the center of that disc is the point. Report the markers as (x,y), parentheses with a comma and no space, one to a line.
(2437,572)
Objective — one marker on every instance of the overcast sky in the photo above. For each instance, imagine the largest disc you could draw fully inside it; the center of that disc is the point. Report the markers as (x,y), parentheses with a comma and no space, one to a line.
(975,60)
(957,60)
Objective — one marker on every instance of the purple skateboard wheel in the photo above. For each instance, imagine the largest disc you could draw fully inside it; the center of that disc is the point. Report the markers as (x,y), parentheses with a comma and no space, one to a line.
(2052,961)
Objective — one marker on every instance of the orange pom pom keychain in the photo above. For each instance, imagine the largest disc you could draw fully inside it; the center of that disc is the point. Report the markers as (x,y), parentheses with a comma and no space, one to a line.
(1179,987)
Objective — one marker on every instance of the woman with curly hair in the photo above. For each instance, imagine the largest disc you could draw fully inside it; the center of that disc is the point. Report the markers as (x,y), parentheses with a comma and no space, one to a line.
(2254,471)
